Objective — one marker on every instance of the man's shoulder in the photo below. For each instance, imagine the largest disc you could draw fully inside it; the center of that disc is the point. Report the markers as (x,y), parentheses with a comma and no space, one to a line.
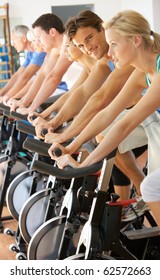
(38,54)
(55,51)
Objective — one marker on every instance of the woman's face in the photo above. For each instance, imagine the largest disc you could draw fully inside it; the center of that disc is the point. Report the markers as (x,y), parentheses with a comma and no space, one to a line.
(37,46)
(121,48)
(72,52)
(35,43)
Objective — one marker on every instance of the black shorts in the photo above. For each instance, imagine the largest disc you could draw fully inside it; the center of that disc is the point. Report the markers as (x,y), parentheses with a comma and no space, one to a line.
(118,177)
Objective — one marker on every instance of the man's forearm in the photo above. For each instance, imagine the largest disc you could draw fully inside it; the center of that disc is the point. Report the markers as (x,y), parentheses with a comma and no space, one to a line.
(17,87)
(10,83)
(95,104)
(45,91)
(98,101)
(24,90)
(57,105)
(69,110)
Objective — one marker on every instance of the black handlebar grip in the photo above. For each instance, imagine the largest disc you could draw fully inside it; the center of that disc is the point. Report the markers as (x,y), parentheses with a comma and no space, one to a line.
(6,112)
(57,152)
(18,116)
(26,128)
(3,107)
(33,117)
(44,131)
(36,146)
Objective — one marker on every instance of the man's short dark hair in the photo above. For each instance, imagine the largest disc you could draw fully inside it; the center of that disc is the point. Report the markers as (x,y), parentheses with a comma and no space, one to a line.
(85,18)
(48,21)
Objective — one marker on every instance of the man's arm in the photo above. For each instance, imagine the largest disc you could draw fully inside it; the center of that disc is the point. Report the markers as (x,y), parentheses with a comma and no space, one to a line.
(29,71)
(46,67)
(12,81)
(23,74)
(14,102)
(51,82)
(24,90)
(81,95)
(98,101)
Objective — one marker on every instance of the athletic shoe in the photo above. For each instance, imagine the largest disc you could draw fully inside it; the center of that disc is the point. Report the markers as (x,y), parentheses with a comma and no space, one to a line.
(134,210)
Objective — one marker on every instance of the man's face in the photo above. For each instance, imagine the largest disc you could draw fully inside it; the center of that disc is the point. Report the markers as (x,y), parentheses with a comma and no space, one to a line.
(46,39)
(18,42)
(91,42)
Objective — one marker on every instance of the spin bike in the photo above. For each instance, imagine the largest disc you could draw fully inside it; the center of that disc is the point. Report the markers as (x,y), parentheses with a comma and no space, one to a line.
(101,233)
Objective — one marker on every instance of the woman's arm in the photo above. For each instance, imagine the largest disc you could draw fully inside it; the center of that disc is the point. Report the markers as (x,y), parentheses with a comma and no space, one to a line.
(133,88)
(144,108)
(104,118)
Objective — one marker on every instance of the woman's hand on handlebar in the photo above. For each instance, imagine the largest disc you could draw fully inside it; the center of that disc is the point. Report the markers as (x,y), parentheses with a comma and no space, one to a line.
(67,160)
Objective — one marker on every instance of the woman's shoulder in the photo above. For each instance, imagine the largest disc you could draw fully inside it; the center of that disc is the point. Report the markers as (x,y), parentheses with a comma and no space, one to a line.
(158,63)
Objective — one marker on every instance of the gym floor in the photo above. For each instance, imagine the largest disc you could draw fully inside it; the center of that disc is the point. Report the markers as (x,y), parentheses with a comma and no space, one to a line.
(5,240)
